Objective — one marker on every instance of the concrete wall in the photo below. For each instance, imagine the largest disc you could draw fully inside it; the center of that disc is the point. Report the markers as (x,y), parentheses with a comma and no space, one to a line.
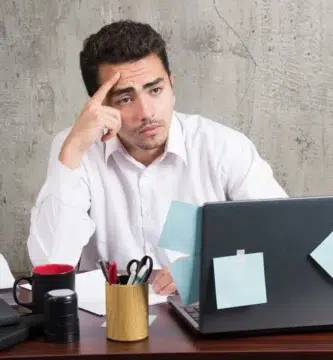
(264,67)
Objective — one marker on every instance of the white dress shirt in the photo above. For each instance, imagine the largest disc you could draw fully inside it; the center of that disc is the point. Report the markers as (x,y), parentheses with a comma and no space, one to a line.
(114,207)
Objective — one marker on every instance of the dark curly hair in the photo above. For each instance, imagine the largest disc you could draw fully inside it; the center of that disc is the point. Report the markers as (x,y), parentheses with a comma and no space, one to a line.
(119,42)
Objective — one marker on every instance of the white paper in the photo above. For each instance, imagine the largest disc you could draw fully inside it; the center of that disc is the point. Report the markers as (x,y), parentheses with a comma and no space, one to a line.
(150,320)
(26,286)
(155,298)
(90,289)
(6,277)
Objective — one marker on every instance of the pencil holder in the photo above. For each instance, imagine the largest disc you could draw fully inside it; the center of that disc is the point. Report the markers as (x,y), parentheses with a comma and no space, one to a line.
(126,311)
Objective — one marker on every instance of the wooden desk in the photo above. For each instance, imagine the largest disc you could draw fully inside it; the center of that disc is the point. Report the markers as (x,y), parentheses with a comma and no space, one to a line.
(170,339)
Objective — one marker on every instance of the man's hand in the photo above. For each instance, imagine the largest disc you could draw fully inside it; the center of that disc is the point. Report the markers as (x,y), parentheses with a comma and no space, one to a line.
(163,283)
(93,120)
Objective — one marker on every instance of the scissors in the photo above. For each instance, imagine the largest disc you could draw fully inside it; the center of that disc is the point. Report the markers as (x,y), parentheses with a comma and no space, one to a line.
(136,265)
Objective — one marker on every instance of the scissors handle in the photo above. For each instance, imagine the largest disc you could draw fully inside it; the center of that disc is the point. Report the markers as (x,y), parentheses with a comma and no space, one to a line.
(129,265)
(148,261)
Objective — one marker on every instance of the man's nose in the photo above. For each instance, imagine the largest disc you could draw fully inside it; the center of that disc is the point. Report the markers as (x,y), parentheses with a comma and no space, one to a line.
(145,110)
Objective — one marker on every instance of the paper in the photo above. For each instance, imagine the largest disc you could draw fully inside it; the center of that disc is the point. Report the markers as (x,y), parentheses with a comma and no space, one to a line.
(182,228)
(182,233)
(239,280)
(26,286)
(90,289)
(323,254)
(185,273)
(151,319)
(156,298)
(6,277)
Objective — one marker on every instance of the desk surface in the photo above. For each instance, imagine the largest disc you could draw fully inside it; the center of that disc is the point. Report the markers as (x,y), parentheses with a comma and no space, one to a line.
(170,338)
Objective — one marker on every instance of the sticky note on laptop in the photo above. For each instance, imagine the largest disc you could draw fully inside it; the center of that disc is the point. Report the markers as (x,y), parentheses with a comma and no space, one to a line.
(182,233)
(239,280)
(323,254)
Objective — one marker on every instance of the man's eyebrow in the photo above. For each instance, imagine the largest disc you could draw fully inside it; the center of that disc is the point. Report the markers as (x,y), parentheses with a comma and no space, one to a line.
(120,91)
(130,89)
(152,83)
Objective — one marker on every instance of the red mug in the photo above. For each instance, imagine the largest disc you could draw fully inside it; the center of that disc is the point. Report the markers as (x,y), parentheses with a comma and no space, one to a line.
(43,279)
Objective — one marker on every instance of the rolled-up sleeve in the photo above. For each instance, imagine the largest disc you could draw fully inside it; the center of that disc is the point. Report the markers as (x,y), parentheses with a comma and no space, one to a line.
(60,223)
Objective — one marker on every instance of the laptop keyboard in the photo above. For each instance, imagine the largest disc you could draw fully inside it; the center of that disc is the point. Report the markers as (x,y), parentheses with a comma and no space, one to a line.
(193,311)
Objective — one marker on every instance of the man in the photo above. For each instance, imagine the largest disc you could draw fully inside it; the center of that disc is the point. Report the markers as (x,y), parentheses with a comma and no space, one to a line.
(112,176)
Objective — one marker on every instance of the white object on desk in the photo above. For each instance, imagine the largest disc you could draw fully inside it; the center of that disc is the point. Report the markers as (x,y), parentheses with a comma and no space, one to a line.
(151,319)
(90,289)
(6,277)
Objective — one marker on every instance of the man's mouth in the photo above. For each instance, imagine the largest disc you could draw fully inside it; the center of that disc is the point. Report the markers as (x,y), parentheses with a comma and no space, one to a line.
(150,129)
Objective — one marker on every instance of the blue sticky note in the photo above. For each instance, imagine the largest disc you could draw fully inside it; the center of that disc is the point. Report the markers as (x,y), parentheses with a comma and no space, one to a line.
(239,280)
(323,253)
(182,228)
(185,273)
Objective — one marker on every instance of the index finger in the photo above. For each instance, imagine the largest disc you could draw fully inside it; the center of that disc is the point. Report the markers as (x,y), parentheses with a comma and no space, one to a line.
(101,93)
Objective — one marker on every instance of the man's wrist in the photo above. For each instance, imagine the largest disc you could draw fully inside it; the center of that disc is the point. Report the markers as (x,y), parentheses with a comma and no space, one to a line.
(70,156)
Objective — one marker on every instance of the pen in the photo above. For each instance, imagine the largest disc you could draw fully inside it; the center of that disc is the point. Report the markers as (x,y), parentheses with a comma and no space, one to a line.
(104,270)
(131,278)
(113,273)
(140,275)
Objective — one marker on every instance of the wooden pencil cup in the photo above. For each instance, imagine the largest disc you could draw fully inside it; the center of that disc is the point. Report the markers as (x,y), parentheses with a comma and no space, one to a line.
(126,311)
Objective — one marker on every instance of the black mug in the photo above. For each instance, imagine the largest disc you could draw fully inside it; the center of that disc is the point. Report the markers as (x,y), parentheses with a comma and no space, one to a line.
(43,279)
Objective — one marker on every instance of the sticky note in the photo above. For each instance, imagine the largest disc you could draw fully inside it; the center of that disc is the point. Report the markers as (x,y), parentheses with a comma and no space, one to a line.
(182,233)
(185,273)
(182,228)
(323,254)
(239,280)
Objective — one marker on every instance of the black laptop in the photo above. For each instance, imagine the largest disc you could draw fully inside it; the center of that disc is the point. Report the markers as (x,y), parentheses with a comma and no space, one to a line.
(299,292)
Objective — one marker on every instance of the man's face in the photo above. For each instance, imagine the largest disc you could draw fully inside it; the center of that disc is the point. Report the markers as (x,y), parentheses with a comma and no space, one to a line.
(145,99)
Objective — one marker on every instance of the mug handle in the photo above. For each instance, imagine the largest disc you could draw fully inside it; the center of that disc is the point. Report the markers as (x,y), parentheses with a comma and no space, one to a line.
(29,305)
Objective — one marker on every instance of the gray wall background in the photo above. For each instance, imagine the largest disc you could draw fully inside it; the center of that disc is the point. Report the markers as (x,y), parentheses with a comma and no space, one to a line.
(264,67)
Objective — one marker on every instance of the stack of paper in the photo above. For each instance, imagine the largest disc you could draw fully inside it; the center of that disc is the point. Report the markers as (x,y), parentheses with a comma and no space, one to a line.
(90,289)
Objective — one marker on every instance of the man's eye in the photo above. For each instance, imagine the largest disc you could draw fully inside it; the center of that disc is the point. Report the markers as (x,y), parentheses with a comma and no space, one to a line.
(124,101)
(156,91)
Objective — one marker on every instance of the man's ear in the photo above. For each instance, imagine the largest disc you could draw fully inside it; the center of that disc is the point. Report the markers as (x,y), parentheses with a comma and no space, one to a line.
(172,80)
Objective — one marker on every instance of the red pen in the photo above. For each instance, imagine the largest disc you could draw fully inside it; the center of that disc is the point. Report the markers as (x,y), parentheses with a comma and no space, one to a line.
(113,273)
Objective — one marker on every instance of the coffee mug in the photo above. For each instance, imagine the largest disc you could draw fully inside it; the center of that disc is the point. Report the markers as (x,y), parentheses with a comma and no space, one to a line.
(43,279)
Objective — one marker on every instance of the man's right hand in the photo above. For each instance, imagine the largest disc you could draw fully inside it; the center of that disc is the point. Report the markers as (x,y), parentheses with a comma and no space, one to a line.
(94,118)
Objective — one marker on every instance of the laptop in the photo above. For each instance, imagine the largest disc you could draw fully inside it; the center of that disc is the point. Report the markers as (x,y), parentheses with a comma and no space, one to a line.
(299,292)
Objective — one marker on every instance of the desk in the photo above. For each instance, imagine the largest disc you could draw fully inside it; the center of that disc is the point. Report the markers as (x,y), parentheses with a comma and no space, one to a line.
(171,339)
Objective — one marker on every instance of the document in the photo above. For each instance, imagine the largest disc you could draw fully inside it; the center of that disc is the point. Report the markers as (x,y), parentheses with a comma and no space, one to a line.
(90,289)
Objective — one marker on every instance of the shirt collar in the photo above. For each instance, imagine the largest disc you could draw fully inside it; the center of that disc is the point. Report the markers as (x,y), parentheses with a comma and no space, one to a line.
(175,143)
(176,139)
(111,146)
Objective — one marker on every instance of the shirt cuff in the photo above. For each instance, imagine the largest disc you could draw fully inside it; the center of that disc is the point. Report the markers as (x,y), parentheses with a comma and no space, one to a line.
(68,186)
